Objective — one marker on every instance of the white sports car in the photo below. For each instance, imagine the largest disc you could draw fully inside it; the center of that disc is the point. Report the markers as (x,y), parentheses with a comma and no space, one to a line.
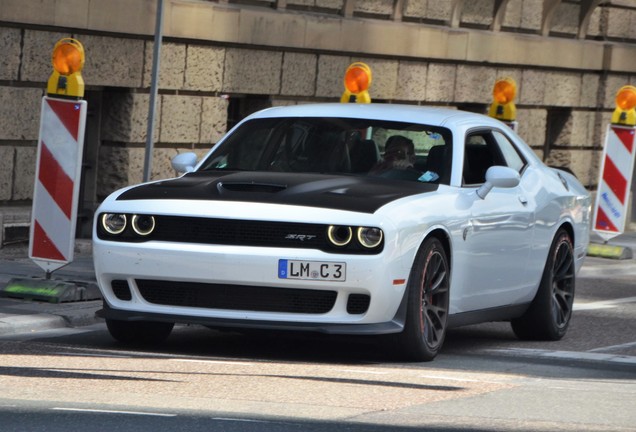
(348,219)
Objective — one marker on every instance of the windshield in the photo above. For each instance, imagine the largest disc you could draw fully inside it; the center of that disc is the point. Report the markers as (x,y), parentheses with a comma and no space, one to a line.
(396,150)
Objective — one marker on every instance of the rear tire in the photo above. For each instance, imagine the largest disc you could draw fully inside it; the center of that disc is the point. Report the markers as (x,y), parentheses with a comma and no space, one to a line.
(550,312)
(139,332)
(427,304)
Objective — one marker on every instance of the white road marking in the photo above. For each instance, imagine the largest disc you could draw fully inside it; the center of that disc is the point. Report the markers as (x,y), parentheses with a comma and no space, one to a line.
(569,355)
(362,371)
(433,377)
(447,378)
(240,420)
(223,362)
(102,411)
(614,347)
(603,304)
(74,354)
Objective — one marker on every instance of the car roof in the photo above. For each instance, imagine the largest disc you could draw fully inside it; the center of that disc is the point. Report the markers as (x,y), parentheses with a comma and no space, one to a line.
(456,120)
(434,116)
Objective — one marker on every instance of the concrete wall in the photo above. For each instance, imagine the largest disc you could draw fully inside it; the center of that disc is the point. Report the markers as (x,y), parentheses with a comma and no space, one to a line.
(217,51)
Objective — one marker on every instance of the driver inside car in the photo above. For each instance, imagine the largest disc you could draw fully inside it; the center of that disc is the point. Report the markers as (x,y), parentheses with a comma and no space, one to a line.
(398,160)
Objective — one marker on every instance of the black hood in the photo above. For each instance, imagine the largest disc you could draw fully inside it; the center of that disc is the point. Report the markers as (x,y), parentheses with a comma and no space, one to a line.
(353,193)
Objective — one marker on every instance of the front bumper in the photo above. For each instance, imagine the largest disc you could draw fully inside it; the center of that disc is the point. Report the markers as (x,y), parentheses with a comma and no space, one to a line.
(394,326)
(247,268)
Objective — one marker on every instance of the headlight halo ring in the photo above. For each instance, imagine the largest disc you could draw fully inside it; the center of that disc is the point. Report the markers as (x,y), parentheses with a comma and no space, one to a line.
(361,235)
(110,226)
(339,235)
(143,231)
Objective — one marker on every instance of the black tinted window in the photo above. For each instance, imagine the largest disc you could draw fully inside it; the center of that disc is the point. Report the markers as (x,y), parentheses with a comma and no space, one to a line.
(487,148)
(337,145)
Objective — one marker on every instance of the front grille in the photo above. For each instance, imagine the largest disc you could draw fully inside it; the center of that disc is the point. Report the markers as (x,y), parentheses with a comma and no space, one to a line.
(238,232)
(183,229)
(236,297)
(358,303)
(121,289)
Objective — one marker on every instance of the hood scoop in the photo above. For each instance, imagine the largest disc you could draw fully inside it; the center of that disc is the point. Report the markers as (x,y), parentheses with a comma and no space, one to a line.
(250,187)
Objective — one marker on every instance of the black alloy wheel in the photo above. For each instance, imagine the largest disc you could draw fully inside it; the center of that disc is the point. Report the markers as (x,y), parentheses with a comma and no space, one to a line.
(548,317)
(563,282)
(428,302)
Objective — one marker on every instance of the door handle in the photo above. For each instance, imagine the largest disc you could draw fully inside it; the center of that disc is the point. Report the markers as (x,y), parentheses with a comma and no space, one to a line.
(523,200)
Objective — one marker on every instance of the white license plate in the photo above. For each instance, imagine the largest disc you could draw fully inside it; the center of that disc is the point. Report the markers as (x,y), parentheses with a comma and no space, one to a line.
(312,270)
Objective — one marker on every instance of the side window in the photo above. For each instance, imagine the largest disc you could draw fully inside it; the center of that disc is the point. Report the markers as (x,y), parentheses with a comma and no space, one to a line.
(509,152)
(479,155)
(484,149)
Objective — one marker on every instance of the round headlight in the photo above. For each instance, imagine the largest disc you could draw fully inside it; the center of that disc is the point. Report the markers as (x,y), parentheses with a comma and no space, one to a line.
(339,235)
(370,237)
(143,224)
(114,223)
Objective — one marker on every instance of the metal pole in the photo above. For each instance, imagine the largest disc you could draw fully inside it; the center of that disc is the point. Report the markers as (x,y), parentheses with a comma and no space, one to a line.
(154,84)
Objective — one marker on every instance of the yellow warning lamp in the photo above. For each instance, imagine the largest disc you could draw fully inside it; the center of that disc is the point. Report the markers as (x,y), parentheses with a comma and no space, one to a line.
(503,107)
(357,80)
(625,112)
(68,61)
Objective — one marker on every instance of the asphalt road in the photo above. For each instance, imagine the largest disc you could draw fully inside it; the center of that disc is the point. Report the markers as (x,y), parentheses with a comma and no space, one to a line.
(483,380)
(78,379)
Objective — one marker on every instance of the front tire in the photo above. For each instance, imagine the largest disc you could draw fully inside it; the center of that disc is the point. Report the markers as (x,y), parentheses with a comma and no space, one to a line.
(550,312)
(427,303)
(139,332)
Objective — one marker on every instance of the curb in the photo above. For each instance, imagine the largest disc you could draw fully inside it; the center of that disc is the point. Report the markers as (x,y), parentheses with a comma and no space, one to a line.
(580,359)
(25,318)
(30,323)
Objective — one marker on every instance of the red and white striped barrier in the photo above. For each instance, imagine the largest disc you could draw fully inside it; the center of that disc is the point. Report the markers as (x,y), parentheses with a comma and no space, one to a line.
(57,180)
(614,182)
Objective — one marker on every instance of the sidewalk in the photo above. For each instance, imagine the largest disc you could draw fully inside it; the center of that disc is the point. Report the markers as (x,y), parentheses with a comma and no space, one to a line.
(23,316)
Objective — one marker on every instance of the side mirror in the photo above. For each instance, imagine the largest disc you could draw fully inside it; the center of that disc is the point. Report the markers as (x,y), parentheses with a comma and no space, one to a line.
(184,162)
(498,176)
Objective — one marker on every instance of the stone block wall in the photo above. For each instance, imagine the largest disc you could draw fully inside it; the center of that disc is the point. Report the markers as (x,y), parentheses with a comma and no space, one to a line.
(182,123)
(378,7)
(19,129)
(532,126)
(113,61)
(478,12)
(204,71)
(427,10)
(289,58)
(252,71)
(411,81)
(121,66)
(327,4)
(7,158)
(298,75)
